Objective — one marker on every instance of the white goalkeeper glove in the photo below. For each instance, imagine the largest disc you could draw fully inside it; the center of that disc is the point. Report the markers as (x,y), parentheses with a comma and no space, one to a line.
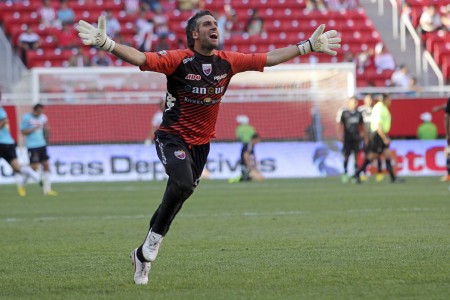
(92,36)
(320,42)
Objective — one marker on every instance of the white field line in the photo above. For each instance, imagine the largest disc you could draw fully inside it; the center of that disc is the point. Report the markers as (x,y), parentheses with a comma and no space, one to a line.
(223,215)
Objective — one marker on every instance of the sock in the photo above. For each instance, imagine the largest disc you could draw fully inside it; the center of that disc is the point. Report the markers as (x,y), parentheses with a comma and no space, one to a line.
(19,179)
(27,172)
(345,164)
(448,165)
(47,187)
(363,167)
(390,170)
(380,169)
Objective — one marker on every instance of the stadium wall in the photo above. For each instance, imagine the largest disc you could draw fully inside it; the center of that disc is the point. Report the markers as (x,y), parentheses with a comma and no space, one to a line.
(129,162)
(129,123)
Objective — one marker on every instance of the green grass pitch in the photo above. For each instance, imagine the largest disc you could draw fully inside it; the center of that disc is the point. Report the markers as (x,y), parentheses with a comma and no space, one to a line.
(280,239)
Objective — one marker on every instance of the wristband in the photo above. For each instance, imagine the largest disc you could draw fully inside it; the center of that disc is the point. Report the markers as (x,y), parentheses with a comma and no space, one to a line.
(305,47)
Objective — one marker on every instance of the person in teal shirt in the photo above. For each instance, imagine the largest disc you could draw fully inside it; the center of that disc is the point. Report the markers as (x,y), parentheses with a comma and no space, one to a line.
(380,125)
(427,130)
(34,127)
(8,153)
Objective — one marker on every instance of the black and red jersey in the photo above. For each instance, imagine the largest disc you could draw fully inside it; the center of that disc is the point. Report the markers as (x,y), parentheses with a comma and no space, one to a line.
(195,87)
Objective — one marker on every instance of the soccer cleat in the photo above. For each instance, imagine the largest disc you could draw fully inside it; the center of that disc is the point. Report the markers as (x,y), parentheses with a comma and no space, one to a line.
(151,246)
(364,178)
(356,179)
(141,269)
(398,180)
(21,191)
(379,177)
(51,193)
(344,178)
(445,178)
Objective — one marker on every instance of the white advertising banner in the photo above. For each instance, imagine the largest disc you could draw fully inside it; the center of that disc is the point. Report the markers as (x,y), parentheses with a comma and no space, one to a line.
(276,160)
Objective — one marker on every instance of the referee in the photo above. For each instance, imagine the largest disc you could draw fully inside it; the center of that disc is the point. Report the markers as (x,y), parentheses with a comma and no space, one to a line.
(380,125)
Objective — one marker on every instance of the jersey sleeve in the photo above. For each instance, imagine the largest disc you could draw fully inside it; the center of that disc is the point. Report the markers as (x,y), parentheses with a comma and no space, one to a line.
(241,62)
(24,124)
(2,114)
(164,62)
(447,108)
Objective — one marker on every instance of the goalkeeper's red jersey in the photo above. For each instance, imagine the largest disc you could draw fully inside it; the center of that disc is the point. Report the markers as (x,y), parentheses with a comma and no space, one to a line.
(195,87)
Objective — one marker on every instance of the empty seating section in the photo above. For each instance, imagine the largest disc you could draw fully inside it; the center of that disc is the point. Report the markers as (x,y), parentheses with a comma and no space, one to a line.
(286,22)
(438,42)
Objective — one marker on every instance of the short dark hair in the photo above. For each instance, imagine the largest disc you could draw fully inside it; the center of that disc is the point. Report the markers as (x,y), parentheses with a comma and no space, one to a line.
(255,136)
(37,106)
(384,97)
(192,25)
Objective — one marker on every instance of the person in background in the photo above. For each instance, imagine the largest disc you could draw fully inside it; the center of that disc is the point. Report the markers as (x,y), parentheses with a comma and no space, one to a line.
(8,153)
(249,163)
(446,108)
(383,59)
(351,129)
(101,59)
(48,15)
(380,125)
(366,111)
(255,23)
(427,130)
(79,59)
(36,131)
(28,40)
(65,14)
(244,131)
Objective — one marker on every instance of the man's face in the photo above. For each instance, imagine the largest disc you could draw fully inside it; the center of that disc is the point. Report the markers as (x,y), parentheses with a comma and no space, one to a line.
(368,101)
(388,101)
(37,112)
(207,36)
(352,103)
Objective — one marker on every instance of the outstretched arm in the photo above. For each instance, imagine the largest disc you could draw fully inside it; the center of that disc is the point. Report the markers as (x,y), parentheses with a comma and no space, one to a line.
(318,42)
(93,36)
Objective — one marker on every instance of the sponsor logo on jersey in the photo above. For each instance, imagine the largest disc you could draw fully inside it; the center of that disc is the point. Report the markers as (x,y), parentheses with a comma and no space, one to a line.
(186,60)
(180,154)
(220,77)
(206,101)
(204,90)
(162,52)
(170,101)
(207,69)
(193,77)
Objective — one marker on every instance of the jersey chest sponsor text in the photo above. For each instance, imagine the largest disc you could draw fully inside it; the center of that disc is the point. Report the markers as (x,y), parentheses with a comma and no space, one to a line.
(204,90)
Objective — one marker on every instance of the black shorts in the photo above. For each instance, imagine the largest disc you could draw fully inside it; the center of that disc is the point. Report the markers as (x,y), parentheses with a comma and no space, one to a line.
(351,145)
(38,155)
(8,152)
(377,144)
(179,157)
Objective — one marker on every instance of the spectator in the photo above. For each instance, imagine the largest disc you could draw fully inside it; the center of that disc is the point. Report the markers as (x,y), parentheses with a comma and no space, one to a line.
(132,6)
(232,25)
(315,5)
(383,59)
(48,15)
(334,4)
(349,57)
(151,5)
(79,59)
(28,40)
(401,77)
(445,18)
(101,59)
(162,44)
(65,13)
(255,24)
(365,59)
(144,35)
(427,130)
(430,20)
(112,24)
(161,22)
(190,5)
(66,38)
(350,4)
(222,27)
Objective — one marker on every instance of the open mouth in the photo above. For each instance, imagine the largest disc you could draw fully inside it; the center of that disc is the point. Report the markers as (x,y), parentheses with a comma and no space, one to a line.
(214,35)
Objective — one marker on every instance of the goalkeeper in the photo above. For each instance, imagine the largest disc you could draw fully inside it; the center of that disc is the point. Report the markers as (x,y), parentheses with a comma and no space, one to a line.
(197,79)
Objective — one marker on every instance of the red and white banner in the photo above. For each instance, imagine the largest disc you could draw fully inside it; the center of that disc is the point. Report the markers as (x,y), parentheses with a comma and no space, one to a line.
(276,160)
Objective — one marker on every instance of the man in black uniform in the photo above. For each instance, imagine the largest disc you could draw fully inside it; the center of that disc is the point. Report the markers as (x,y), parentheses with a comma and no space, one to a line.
(249,166)
(197,79)
(446,108)
(351,129)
